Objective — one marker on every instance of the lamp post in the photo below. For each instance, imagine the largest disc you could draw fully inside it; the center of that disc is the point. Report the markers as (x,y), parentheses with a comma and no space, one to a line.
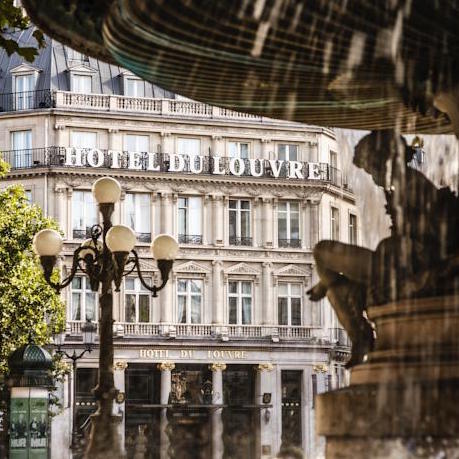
(88,330)
(105,262)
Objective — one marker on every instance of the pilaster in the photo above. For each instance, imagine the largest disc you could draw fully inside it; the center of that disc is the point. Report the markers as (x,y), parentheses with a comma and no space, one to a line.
(268,222)
(218,214)
(216,416)
(265,385)
(166,385)
(217,292)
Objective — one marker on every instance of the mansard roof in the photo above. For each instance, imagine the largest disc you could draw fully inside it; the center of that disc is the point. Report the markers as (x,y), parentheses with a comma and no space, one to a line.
(53,63)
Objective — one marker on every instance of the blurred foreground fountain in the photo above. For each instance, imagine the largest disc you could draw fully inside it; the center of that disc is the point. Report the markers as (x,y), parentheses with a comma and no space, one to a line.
(404,373)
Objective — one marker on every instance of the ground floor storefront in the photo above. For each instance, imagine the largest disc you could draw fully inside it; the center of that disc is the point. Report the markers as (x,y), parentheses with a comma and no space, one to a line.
(197,402)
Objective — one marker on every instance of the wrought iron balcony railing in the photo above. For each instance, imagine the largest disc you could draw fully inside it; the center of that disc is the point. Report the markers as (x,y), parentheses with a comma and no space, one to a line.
(241,241)
(81,233)
(143,237)
(190,239)
(293,243)
(26,100)
(57,157)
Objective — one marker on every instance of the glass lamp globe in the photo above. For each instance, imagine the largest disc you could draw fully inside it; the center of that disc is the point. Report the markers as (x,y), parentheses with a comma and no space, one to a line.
(120,238)
(164,247)
(106,190)
(47,242)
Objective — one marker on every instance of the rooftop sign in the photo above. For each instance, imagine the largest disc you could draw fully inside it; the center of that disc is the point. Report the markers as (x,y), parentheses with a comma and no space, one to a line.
(195,164)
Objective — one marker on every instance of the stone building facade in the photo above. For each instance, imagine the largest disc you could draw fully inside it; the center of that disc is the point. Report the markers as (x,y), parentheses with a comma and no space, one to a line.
(229,356)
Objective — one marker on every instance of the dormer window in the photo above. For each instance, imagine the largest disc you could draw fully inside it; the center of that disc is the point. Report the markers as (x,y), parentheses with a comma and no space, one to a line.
(24,81)
(132,85)
(81,79)
(135,87)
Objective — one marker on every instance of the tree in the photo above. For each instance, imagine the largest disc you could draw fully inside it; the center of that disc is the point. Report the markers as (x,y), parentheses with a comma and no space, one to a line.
(29,307)
(13,19)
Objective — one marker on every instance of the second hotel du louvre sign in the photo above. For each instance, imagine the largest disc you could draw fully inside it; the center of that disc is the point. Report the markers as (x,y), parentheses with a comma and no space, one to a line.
(194,164)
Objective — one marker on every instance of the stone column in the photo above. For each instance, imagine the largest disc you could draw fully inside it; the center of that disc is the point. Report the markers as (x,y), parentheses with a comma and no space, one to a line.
(120,408)
(218,218)
(60,208)
(267,223)
(112,140)
(166,384)
(216,146)
(265,145)
(217,292)
(306,231)
(67,223)
(206,237)
(216,416)
(314,222)
(59,136)
(268,304)
(264,385)
(167,213)
(165,147)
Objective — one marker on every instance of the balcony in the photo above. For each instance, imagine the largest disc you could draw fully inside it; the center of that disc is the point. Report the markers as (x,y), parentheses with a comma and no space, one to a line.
(292,243)
(273,333)
(240,241)
(27,100)
(195,239)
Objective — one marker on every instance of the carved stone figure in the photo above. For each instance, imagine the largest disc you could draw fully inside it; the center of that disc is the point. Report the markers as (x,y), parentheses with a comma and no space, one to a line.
(420,259)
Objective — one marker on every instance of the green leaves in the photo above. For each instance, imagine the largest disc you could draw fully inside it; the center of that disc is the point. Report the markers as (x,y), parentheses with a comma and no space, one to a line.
(12,19)
(28,305)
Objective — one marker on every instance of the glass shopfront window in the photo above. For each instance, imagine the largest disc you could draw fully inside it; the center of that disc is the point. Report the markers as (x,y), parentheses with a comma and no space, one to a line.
(291,408)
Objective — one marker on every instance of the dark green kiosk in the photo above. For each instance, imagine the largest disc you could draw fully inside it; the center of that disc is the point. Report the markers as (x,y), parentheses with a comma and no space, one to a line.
(30,380)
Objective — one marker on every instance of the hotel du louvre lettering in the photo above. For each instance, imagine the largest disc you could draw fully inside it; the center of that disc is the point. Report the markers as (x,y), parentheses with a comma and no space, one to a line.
(195,354)
(195,164)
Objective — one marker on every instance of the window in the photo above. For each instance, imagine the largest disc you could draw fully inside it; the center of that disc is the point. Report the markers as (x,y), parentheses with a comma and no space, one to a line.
(238,150)
(24,87)
(287,152)
(82,84)
(352,229)
(83,139)
(137,143)
(240,302)
(334,224)
(189,301)
(28,196)
(83,300)
(134,87)
(288,224)
(289,304)
(334,167)
(190,220)
(84,214)
(138,215)
(291,383)
(190,147)
(21,142)
(136,301)
(239,222)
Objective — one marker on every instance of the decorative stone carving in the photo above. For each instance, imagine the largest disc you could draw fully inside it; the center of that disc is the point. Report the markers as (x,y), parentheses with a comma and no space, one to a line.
(264,367)
(242,268)
(320,368)
(293,270)
(217,366)
(166,366)
(120,365)
(191,267)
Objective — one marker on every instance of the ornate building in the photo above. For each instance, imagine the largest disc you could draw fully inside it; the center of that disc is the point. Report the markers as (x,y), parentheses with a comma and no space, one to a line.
(227,359)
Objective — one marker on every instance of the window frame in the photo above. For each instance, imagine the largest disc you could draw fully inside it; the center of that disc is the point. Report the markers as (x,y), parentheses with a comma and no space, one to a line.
(353,229)
(22,156)
(137,150)
(288,213)
(239,295)
(289,297)
(130,79)
(83,291)
(186,212)
(238,210)
(238,144)
(138,213)
(85,208)
(138,291)
(287,151)
(78,131)
(74,76)
(188,294)
(25,102)
(334,229)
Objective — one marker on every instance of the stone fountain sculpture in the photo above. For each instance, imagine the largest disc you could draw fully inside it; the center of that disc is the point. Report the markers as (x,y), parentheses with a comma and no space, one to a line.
(398,306)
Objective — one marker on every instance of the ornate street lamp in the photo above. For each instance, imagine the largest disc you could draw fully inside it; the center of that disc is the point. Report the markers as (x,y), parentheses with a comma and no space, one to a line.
(89,330)
(105,262)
